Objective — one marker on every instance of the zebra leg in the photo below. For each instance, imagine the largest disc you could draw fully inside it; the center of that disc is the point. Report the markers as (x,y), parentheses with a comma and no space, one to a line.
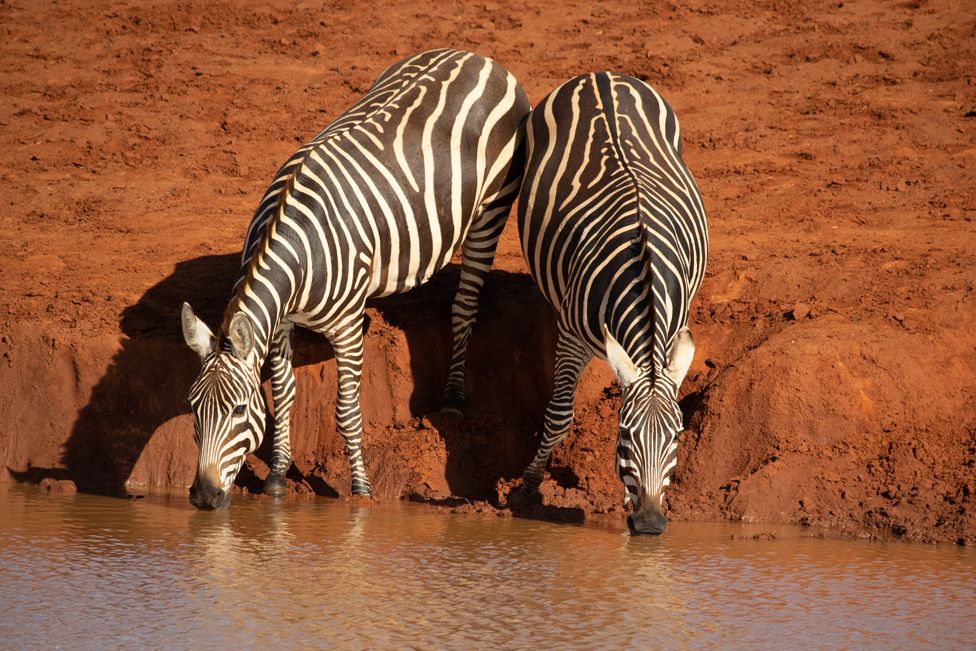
(283,396)
(571,358)
(477,254)
(348,346)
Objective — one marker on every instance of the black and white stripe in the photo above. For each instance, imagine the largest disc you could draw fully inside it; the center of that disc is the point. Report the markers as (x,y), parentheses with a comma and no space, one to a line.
(431,158)
(614,233)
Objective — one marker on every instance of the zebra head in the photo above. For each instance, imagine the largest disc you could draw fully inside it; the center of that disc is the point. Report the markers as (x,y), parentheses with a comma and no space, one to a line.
(227,403)
(648,426)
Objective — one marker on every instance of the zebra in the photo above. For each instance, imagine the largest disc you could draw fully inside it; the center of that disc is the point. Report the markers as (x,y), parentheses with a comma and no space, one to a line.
(430,158)
(613,231)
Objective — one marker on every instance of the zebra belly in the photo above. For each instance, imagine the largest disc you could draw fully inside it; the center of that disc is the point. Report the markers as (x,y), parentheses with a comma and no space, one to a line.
(415,275)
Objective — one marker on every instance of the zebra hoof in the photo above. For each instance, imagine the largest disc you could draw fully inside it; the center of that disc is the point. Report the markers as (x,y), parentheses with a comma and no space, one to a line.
(453,406)
(274,486)
(452,412)
(530,485)
(522,497)
(529,492)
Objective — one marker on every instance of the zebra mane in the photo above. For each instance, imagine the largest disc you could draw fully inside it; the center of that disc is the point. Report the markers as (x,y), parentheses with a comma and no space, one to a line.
(237,298)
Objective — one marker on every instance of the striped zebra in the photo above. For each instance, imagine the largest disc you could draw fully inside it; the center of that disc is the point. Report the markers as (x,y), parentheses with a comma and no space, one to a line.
(613,230)
(431,157)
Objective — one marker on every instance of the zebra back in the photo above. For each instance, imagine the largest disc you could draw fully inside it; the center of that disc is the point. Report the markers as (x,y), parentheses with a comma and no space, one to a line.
(387,191)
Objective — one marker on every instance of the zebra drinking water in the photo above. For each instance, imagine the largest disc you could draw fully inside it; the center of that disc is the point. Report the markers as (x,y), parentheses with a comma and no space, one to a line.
(613,230)
(430,158)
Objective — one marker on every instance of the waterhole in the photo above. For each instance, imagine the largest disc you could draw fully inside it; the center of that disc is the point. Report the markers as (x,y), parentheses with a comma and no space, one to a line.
(95,572)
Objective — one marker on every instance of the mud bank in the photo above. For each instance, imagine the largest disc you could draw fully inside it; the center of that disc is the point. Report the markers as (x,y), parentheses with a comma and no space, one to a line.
(834,379)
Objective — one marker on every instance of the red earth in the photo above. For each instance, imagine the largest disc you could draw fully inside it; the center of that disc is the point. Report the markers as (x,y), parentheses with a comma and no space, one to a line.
(834,145)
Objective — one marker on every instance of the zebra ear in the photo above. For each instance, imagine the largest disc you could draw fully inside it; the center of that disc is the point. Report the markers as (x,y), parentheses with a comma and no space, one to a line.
(625,370)
(241,335)
(680,355)
(197,334)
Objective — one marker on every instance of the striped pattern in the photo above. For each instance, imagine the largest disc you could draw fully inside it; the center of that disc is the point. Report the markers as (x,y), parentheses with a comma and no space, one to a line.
(613,230)
(430,158)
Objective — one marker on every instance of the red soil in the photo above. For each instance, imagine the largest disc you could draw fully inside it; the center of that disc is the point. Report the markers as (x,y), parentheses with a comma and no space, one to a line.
(833,143)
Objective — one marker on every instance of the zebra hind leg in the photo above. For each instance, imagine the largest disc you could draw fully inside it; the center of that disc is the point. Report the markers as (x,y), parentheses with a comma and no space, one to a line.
(283,396)
(348,347)
(477,254)
(571,358)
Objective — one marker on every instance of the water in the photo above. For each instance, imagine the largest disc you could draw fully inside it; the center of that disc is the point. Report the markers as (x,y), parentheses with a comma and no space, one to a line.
(93,572)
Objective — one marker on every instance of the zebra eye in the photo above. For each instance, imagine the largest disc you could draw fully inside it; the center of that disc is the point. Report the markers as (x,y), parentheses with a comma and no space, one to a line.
(239,410)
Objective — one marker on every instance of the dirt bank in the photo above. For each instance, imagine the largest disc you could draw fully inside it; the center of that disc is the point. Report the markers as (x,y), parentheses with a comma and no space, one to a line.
(833,143)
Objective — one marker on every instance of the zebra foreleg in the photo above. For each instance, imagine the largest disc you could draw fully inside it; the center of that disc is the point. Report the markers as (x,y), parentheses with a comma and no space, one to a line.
(348,347)
(571,358)
(283,396)
(477,254)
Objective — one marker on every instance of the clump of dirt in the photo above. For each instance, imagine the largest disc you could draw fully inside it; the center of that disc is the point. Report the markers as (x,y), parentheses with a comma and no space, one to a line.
(833,382)
(60,486)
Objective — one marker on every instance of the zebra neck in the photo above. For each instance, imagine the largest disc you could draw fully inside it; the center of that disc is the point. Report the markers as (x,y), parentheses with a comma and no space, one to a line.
(267,289)
(264,310)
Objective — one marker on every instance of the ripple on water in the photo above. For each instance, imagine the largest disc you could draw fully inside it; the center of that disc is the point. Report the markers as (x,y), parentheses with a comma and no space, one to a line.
(90,572)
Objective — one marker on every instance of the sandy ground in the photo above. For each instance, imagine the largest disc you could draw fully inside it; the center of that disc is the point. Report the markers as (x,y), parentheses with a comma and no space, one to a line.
(833,143)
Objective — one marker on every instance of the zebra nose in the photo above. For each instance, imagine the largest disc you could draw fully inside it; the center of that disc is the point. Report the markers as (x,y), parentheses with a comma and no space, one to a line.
(648,519)
(203,496)
(219,498)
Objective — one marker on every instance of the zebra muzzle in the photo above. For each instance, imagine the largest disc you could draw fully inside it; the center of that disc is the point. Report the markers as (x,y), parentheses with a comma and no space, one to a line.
(648,518)
(204,495)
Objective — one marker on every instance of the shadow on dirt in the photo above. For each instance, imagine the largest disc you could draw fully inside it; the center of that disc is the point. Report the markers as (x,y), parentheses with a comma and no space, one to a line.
(508,374)
(146,382)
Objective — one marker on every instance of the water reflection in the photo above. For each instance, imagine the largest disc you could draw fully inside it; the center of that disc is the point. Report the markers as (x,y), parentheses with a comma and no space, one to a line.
(323,573)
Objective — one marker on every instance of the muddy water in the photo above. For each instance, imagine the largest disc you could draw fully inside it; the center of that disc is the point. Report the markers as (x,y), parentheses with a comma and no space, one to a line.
(93,572)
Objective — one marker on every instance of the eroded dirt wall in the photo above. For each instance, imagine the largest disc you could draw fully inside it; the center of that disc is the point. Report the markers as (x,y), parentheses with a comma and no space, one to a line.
(769,440)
